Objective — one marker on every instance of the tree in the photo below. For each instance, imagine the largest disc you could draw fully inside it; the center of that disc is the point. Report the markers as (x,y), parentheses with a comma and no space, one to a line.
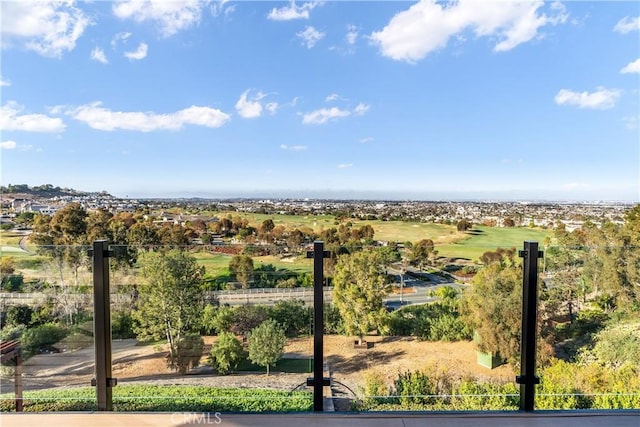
(463,225)
(421,252)
(359,285)
(241,267)
(226,353)
(170,300)
(294,317)
(266,343)
(492,306)
(245,318)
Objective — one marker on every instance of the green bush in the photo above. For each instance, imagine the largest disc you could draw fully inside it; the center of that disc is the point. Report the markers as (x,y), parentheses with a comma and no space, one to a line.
(12,282)
(19,315)
(122,325)
(226,353)
(41,337)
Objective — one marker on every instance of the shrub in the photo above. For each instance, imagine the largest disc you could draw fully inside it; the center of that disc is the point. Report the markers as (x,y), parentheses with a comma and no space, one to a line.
(226,353)
(41,337)
(122,325)
(12,282)
(19,315)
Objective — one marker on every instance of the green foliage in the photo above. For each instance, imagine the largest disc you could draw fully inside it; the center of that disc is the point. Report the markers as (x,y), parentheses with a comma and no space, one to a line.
(7,265)
(411,388)
(615,346)
(432,322)
(485,396)
(19,315)
(245,318)
(226,353)
(122,325)
(162,398)
(9,332)
(293,316)
(188,353)
(40,337)
(241,267)
(12,282)
(266,344)
(359,285)
(170,300)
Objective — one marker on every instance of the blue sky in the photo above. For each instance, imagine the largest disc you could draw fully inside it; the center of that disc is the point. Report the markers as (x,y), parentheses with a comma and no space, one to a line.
(388,99)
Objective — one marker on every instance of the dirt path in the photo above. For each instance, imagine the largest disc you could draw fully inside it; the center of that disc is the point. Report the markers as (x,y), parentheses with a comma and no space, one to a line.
(147,364)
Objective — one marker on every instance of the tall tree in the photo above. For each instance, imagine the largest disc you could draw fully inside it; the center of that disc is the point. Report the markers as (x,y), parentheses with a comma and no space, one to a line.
(266,344)
(241,267)
(359,285)
(170,301)
(421,252)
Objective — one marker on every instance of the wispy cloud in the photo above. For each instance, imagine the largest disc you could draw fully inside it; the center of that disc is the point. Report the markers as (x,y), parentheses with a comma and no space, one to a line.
(310,36)
(632,67)
(352,34)
(627,24)
(49,28)
(366,140)
(8,145)
(4,82)
(345,165)
(601,99)
(334,97)
(292,11)
(428,25)
(324,115)
(293,147)
(100,118)
(12,120)
(139,53)
(97,54)
(123,36)
(171,17)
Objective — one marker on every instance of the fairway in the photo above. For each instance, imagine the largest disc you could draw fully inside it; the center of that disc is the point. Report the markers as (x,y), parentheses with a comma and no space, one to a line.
(482,239)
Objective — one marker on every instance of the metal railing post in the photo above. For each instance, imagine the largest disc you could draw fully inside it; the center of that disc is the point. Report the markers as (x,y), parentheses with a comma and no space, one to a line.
(103,381)
(527,378)
(318,381)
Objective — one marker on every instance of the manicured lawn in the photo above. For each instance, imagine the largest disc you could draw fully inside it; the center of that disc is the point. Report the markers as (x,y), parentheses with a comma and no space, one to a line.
(482,239)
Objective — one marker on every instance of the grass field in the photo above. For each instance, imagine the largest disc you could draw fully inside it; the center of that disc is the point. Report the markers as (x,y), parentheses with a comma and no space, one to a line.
(482,239)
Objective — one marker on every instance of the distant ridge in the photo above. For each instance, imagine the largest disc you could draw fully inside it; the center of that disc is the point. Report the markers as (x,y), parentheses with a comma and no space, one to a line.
(46,191)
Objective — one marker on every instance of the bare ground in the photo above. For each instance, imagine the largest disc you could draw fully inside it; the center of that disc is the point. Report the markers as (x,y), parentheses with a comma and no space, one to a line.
(133,363)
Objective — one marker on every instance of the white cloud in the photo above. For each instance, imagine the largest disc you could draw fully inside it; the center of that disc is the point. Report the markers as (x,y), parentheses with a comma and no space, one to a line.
(119,37)
(631,122)
(345,165)
(170,16)
(49,28)
(293,11)
(323,115)
(220,7)
(632,67)
(601,99)
(250,107)
(139,53)
(8,145)
(361,109)
(11,120)
(352,34)
(332,97)
(428,25)
(101,118)
(310,36)
(293,147)
(271,107)
(627,24)
(97,54)
(4,82)
(366,140)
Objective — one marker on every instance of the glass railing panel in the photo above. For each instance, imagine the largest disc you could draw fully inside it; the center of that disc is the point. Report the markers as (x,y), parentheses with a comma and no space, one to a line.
(590,323)
(47,306)
(423,351)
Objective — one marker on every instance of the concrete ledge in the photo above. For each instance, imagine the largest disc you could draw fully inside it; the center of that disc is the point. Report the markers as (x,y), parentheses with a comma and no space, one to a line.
(370,419)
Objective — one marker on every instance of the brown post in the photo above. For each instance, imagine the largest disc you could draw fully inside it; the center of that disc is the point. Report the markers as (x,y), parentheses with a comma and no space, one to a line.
(18,380)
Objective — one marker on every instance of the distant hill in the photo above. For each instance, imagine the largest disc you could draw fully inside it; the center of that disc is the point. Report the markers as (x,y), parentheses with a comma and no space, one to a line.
(45,191)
